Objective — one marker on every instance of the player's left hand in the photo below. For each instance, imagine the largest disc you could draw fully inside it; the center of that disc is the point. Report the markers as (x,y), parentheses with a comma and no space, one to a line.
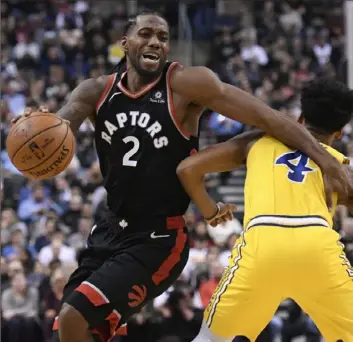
(225,214)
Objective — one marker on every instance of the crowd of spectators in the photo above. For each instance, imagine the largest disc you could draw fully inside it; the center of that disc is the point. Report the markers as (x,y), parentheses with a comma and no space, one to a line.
(269,48)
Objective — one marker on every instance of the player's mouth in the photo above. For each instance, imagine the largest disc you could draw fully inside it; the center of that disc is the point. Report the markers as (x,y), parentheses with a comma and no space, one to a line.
(150,59)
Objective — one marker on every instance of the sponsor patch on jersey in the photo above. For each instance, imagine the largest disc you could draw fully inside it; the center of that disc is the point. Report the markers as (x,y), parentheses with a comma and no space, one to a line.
(157,97)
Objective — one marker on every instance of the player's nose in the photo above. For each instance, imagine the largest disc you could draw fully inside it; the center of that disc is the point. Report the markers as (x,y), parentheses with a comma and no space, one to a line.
(154,42)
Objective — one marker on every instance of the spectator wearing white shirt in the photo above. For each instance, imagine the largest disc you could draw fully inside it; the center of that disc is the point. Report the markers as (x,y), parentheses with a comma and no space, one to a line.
(57,250)
(221,233)
(252,52)
(26,47)
(322,51)
(291,20)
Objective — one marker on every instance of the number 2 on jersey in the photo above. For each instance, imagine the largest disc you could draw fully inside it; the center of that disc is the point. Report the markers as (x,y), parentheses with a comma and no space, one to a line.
(127,161)
(297,171)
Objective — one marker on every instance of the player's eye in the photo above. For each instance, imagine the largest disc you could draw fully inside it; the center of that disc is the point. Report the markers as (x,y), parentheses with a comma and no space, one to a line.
(164,38)
(144,34)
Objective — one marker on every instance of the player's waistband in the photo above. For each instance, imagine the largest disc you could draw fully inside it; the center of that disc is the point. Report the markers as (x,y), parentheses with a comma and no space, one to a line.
(131,224)
(288,221)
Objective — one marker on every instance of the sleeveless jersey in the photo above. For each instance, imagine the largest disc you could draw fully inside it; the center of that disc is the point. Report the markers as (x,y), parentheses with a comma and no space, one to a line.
(284,182)
(139,144)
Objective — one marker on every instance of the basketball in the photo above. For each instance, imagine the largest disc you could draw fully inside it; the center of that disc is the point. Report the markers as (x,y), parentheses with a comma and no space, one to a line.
(41,145)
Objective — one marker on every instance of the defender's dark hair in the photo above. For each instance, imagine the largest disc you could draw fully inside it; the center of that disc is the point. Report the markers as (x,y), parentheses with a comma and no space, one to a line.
(121,66)
(327,105)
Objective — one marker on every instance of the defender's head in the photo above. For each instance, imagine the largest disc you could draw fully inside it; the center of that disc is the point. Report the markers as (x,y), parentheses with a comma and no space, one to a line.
(327,106)
(146,43)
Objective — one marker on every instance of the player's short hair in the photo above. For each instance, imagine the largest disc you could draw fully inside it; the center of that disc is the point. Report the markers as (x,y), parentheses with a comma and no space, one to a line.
(121,66)
(132,21)
(327,105)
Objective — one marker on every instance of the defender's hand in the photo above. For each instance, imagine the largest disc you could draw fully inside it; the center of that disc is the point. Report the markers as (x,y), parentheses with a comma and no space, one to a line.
(224,214)
(338,178)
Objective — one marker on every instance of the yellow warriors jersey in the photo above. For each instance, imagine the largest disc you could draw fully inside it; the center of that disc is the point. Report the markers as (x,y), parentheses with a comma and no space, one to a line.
(286,183)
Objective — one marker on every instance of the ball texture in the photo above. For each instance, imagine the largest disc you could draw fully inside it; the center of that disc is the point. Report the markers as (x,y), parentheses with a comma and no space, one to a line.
(40,145)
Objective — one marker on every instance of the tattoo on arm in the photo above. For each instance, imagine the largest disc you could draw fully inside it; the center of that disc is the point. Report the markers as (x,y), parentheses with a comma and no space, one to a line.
(82,103)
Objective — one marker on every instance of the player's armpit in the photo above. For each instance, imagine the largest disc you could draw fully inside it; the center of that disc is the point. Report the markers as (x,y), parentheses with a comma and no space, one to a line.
(82,102)
(218,158)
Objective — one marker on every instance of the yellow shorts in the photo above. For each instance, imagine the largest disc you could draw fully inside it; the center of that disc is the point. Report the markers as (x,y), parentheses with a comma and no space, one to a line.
(269,264)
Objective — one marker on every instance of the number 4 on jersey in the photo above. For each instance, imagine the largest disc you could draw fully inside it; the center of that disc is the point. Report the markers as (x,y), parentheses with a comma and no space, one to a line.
(298,170)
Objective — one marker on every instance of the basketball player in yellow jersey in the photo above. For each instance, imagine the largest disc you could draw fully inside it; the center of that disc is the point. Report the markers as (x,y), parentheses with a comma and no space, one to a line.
(288,248)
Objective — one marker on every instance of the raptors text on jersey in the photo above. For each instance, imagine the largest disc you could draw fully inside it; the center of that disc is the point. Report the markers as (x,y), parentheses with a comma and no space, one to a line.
(139,145)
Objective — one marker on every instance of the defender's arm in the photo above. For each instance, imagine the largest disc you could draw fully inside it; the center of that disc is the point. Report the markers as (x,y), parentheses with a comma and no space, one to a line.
(83,101)
(348,200)
(218,158)
(201,85)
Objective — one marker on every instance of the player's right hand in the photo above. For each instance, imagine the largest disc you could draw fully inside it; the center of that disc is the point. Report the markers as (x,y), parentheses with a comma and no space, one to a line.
(337,178)
(341,182)
(225,214)
(28,111)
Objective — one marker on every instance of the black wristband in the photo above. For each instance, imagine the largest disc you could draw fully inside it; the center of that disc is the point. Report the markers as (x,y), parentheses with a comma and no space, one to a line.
(217,212)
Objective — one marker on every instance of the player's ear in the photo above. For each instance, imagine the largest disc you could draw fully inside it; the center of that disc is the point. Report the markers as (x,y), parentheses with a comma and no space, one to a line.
(124,43)
(301,119)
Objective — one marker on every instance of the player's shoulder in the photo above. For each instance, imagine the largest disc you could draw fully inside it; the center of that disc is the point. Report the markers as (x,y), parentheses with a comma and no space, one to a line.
(338,155)
(266,140)
(264,145)
(187,72)
(94,83)
(104,79)
(91,89)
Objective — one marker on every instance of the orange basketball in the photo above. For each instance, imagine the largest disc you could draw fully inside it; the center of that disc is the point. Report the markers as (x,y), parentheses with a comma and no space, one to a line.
(41,145)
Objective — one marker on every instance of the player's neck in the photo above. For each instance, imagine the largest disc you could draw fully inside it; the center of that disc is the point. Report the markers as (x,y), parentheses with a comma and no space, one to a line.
(321,137)
(136,82)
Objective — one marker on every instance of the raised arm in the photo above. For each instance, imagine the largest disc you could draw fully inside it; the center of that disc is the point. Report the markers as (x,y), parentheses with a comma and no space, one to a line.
(200,85)
(218,158)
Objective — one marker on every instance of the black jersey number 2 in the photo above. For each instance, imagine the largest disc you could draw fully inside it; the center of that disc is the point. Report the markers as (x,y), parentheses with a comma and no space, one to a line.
(127,161)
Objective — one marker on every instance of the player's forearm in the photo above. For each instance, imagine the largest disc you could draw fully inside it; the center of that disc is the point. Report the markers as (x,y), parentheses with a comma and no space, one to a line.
(74,114)
(83,101)
(253,112)
(195,188)
(291,133)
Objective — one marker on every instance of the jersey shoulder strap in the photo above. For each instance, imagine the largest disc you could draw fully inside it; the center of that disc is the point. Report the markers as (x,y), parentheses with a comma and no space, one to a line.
(106,91)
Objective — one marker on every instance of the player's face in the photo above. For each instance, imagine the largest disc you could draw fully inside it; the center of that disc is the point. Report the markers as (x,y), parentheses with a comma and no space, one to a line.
(148,45)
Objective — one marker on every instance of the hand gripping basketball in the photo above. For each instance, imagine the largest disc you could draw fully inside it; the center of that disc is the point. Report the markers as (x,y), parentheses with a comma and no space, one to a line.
(40,144)
(28,111)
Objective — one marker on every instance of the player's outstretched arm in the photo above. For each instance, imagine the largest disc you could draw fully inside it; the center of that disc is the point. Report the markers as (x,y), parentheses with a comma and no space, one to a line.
(200,85)
(217,158)
(83,101)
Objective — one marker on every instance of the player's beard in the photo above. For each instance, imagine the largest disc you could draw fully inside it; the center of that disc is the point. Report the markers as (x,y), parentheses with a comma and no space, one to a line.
(148,75)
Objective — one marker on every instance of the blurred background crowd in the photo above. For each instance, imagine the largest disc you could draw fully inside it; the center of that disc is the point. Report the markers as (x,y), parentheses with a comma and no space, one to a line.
(267,47)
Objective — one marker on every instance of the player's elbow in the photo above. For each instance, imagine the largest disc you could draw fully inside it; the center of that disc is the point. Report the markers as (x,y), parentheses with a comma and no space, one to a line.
(185,170)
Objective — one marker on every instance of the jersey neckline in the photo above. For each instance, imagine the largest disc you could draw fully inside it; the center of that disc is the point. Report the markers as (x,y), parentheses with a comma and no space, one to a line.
(139,93)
